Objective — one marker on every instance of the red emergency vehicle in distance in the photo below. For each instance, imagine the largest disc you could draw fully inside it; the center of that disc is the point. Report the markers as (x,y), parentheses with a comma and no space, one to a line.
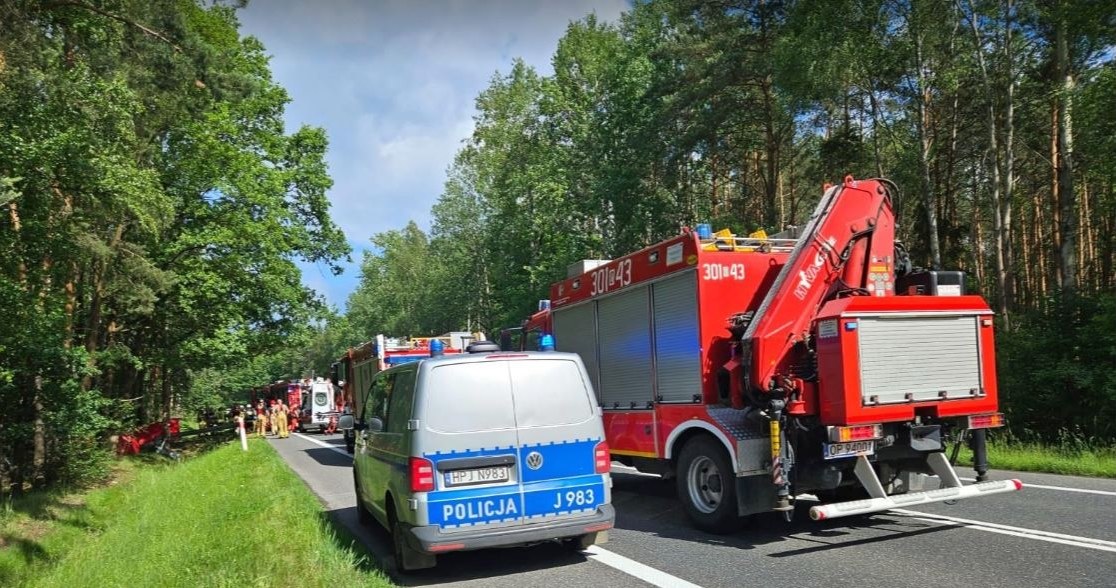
(352,373)
(291,392)
(756,369)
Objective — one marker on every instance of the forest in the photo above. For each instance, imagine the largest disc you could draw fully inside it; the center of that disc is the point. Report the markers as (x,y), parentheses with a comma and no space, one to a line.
(996,119)
(152,204)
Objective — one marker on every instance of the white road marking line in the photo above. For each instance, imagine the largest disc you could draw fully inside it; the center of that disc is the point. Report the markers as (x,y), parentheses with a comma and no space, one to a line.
(1072,540)
(628,470)
(323,444)
(1060,488)
(634,568)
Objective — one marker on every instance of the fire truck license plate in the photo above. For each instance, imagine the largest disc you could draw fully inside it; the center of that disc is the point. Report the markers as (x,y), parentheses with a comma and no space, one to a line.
(850,449)
(489,475)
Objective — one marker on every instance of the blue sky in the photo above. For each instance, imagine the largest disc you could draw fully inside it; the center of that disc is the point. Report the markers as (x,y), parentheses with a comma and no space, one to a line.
(393,83)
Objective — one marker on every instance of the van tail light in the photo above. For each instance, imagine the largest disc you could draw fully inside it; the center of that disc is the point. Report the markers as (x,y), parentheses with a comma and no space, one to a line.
(602,462)
(422,475)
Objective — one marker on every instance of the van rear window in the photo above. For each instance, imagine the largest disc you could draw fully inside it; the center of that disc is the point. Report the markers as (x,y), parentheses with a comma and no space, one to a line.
(468,397)
(549,393)
(486,396)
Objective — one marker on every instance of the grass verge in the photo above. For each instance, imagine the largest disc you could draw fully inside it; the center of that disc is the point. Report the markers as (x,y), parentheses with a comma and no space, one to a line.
(1033,457)
(225,518)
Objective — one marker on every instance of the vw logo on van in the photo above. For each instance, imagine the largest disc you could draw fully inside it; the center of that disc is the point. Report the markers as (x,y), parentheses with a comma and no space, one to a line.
(534,460)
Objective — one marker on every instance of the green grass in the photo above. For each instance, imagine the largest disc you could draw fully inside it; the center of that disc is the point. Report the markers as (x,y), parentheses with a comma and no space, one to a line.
(37,530)
(1034,457)
(224,518)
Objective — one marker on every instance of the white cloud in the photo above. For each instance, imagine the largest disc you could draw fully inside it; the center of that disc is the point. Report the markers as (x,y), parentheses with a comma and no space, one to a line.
(394,84)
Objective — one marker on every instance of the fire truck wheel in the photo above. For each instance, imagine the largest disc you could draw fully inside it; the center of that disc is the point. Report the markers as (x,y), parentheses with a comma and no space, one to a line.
(707,486)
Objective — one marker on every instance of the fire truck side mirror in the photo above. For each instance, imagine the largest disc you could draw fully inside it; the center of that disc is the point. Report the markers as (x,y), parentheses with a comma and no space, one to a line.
(333,375)
(345,423)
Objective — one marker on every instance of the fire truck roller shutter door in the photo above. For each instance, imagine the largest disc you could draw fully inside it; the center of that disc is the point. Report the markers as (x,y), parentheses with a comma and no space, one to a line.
(677,348)
(916,358)
(624,324)
(575,331)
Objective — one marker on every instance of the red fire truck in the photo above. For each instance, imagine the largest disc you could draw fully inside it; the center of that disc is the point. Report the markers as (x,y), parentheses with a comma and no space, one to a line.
(353,372)
(757,369)
(291,392)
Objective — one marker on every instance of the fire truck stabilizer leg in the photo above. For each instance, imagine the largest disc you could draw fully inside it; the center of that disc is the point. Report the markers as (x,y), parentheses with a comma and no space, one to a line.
(951,490)
(978,443)
(945,472)
(868,478)
(780,474)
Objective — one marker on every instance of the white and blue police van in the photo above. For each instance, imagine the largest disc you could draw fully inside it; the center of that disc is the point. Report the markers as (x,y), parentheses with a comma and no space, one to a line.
(482,449)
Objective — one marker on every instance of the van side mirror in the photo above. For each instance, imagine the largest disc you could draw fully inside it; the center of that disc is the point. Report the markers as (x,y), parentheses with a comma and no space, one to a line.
(345,422)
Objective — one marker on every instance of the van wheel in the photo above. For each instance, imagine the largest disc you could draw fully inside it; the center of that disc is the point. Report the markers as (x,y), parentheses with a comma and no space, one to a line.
(707,486)
(406,558)
(363,516)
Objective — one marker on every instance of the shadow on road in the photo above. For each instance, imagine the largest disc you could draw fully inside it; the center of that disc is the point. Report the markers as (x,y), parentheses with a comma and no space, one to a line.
(491,563)
(373,544)
(329,457)
(649,504)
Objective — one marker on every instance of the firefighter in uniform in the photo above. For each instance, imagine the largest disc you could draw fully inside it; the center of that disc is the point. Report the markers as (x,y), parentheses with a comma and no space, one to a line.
(272,420)
(261,419)
(292,419)
(281,415)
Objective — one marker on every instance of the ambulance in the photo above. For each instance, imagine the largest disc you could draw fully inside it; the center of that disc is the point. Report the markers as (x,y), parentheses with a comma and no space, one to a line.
(318,405)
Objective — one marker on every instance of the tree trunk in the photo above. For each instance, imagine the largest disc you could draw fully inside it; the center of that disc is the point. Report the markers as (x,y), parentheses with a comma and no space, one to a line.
(165,413)
(1001,220)
(93,325)
(771,147)
(977,233)
(925,145)
(1067,198)
(38,444)
(17,225)
(1008,143)
(1039,246)
(875,128)
(70,288)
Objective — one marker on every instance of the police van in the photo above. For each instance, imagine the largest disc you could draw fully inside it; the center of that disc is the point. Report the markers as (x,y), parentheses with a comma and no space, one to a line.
(482,449)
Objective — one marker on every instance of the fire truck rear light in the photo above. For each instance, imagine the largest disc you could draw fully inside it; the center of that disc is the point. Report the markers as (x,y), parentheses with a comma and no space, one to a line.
(422,474)
(855,433)
(602,462)
(986,421)
(986,322)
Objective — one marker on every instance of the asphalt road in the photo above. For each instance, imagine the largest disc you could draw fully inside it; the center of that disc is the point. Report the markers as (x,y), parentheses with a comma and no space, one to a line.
(1058,531)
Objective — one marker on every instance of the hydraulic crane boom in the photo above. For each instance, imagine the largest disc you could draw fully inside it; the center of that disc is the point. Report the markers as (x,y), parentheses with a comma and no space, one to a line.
(848,246)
